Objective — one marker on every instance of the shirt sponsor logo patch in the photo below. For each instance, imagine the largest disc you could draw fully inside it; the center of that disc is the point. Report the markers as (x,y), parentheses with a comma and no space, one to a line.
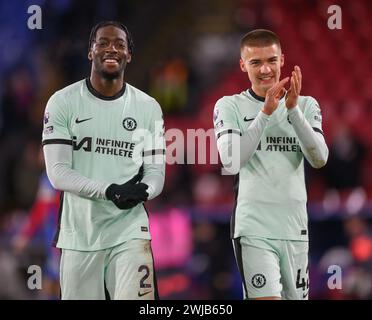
(215,114)
(258,280)
(318,116)
(143,293)
(82,120)
(129,124)
(46,117)
(289,121)
(219,124)
(48,130)
(144,229)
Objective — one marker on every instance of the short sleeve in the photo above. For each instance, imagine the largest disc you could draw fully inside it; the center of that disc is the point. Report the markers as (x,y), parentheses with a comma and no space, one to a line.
(154,144)
(313,114)
(224,118)
(55,126)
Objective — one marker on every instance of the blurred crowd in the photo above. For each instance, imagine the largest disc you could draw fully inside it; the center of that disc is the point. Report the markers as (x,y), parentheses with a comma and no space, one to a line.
(186,56)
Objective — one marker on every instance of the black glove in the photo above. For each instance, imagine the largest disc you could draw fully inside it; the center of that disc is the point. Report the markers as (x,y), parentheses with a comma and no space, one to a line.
(137,196)
(129,194)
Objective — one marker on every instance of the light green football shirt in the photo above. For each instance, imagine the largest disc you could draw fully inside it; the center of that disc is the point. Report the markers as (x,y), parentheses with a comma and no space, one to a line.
(271,196)
(110,137)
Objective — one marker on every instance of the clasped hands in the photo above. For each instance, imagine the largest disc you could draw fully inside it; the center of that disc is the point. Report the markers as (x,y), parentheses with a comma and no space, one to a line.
(128,194)
(274,94)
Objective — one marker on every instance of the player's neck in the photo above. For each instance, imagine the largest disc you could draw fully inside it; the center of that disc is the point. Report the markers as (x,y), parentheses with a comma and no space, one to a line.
(106,87)
(259,93)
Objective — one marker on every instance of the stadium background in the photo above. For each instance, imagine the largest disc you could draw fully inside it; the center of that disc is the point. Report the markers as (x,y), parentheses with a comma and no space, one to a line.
(186,56)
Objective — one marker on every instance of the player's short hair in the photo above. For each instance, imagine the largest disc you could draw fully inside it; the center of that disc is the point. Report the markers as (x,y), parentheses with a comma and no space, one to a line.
(259,38)
(117,24)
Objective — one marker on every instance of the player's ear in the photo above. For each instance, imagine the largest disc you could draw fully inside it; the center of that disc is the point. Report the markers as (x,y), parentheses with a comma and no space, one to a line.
(242,65)
(129,58)
(90,57)
(282,60)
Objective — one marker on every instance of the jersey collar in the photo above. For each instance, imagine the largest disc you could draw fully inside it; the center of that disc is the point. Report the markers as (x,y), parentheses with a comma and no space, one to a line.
(101,96)
(259,98)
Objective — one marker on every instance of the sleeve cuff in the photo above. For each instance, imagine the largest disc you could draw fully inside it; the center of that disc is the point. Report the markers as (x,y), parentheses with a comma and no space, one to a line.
(294,110)
(103,191)
(263,115)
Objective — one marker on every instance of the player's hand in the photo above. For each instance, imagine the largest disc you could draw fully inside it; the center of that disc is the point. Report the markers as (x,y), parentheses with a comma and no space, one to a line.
(294,90)
(136,195)
(128,194)
(273,95)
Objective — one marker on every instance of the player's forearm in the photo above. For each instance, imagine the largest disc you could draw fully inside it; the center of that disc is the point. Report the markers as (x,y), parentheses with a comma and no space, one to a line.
(235,149)
(312,143)
(58,160)
(251,138)
(154,176)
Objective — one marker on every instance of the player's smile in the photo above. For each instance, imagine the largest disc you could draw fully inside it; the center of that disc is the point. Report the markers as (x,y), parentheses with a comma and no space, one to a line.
(266,79)
(109,52)
(263,66)
(111,61)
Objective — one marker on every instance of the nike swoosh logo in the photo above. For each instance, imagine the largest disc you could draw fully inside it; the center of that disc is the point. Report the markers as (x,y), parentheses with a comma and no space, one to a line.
(305,294)
(144,293)
(245,119)
(80,121)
